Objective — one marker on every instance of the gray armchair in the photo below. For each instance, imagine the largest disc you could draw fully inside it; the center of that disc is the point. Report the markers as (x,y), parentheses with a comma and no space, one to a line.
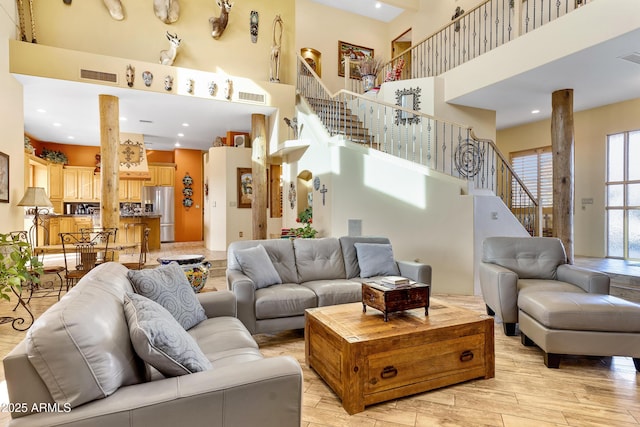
(513,265)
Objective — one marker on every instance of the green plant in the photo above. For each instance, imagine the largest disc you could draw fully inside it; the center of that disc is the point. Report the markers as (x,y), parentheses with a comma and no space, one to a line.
(307,231)
(54,156)
(17,265)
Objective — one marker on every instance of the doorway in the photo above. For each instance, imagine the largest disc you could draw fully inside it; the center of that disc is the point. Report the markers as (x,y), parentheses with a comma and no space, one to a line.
(399,45)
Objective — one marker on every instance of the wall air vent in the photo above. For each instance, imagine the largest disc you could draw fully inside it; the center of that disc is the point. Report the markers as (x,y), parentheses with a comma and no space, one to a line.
(145,121)
(632,57)
(98,75)
(253,97)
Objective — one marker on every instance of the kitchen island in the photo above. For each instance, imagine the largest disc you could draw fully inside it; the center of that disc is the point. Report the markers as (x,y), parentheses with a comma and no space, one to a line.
(52,225)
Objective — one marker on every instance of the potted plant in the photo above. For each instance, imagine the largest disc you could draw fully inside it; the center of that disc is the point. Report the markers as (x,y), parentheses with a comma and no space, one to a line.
(17,265)
(307,231)
(369,69)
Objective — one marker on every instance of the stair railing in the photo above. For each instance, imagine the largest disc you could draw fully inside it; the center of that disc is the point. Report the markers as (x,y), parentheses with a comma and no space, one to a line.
(481,29)
(444,146)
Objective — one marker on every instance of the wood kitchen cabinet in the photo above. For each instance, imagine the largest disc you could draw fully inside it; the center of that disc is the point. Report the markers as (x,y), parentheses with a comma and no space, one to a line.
(162,174)
(130,190)
(127,233)
(78,184)
(56,224)
(56,185)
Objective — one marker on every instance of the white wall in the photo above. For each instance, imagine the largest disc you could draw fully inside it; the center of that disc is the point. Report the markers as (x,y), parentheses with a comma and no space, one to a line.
(11,122)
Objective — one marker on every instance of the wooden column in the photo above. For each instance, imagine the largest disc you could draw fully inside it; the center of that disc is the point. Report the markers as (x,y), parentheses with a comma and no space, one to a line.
(109,142)
(259,176)
(562,141)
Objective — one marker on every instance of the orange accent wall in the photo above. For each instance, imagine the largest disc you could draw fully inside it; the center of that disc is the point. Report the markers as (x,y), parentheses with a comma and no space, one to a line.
(78,155)
(188,221)
(155,156)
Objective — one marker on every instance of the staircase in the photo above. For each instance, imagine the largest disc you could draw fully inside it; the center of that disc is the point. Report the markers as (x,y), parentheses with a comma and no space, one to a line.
(339,120)
(439,145)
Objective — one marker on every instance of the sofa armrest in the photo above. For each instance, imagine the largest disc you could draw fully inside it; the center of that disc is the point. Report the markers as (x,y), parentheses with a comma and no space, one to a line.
(591,281)
(417,271)
(500,290)
(245,292)
(219,303)
(271,388)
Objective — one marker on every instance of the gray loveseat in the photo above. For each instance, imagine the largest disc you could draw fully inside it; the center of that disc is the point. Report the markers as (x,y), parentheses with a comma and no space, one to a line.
(308,273)
(78,367)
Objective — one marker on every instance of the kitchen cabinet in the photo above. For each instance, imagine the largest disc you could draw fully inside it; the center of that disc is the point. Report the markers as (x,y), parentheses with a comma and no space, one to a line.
(127,233)
(97,187)
(56,185)
(78,184)
(56,224)
(130,190)
(162,174)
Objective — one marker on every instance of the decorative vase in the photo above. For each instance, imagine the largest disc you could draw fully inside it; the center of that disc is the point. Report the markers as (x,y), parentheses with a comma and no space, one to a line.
(194,266)
(368,81)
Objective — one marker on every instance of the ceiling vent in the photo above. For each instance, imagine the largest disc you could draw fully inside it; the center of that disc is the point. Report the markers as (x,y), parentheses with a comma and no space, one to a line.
(98,75)
(633,57)
(253,97)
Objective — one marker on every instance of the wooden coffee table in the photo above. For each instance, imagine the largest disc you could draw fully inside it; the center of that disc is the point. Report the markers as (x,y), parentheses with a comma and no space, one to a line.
(366,360)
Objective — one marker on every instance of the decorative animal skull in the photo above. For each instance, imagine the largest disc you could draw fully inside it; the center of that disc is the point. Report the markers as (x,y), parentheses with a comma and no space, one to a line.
(131,75)
(228,89)
(190,86)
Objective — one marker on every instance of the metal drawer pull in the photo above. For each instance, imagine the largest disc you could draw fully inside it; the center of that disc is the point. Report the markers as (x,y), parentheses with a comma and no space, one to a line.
(466,356)
(388,372)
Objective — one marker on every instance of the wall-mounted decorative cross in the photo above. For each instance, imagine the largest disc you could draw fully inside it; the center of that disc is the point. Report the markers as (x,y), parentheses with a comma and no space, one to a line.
(323,191)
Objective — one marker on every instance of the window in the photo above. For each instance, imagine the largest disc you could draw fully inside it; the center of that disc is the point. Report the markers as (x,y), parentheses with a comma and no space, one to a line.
(623,195)
(534,167)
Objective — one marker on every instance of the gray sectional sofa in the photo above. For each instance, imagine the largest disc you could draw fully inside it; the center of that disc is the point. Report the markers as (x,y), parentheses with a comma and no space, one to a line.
(304,273)
(77,366)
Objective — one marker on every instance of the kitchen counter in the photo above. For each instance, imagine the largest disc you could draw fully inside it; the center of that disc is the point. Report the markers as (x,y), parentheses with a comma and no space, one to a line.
(141,215)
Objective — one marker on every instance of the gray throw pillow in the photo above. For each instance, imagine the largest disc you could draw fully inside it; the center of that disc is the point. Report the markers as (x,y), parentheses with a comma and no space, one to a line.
(376,259)
(257,265)
(159,340)
(168,286)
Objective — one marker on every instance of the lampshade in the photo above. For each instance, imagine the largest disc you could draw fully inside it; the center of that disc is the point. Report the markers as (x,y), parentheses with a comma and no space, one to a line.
(36,197)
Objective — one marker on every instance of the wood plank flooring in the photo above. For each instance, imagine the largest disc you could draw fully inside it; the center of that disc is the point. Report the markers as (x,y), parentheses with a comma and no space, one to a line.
(585,391)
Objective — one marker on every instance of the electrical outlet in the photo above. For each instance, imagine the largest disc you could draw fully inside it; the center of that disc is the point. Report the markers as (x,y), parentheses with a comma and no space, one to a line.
(241,234)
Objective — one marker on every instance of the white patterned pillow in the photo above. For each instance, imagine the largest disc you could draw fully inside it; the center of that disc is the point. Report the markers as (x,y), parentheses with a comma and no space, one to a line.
(168,286)
(159,340)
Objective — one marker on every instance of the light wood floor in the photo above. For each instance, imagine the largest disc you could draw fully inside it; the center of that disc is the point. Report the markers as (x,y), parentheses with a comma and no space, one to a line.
(585,391)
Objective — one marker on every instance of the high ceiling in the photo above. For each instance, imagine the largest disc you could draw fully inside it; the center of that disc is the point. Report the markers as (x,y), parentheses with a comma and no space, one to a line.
(598,76)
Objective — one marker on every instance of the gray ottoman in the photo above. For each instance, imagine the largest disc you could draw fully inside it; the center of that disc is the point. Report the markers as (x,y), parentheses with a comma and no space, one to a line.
(579,324)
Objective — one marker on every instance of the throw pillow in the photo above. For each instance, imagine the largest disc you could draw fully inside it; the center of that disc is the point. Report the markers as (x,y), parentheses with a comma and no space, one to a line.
(255,263)
(376,259)
(159,339)
(168,286)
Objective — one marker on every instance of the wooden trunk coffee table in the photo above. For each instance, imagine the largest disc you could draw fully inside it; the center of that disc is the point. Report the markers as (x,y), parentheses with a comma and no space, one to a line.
(366,360)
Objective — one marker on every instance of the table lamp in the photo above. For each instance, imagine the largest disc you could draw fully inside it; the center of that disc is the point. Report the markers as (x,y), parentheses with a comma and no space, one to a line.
(35,197)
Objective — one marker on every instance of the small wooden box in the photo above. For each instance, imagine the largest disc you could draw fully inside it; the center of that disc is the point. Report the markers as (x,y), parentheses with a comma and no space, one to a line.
(390,300)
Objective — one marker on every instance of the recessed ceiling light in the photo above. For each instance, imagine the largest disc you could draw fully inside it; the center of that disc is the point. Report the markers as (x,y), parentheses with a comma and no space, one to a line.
(71,137)
(185,125)
(535,111)
(41,110)
(181,134)
(124,119)
(177,144)
(56,124)
(378,5)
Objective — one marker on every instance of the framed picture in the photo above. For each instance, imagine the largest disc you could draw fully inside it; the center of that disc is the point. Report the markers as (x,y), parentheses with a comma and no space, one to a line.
(4,178)
(355,53)
(245,187)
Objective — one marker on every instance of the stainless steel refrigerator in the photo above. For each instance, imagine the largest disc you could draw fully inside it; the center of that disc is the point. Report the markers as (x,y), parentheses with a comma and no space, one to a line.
(162,200)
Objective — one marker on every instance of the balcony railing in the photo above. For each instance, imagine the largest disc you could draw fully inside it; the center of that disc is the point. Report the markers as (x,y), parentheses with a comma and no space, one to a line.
(440,145)
(481,29)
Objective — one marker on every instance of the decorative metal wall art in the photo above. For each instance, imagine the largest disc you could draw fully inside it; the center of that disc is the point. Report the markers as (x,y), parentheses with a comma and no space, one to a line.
(408,98)
(130,153)
(468,158)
